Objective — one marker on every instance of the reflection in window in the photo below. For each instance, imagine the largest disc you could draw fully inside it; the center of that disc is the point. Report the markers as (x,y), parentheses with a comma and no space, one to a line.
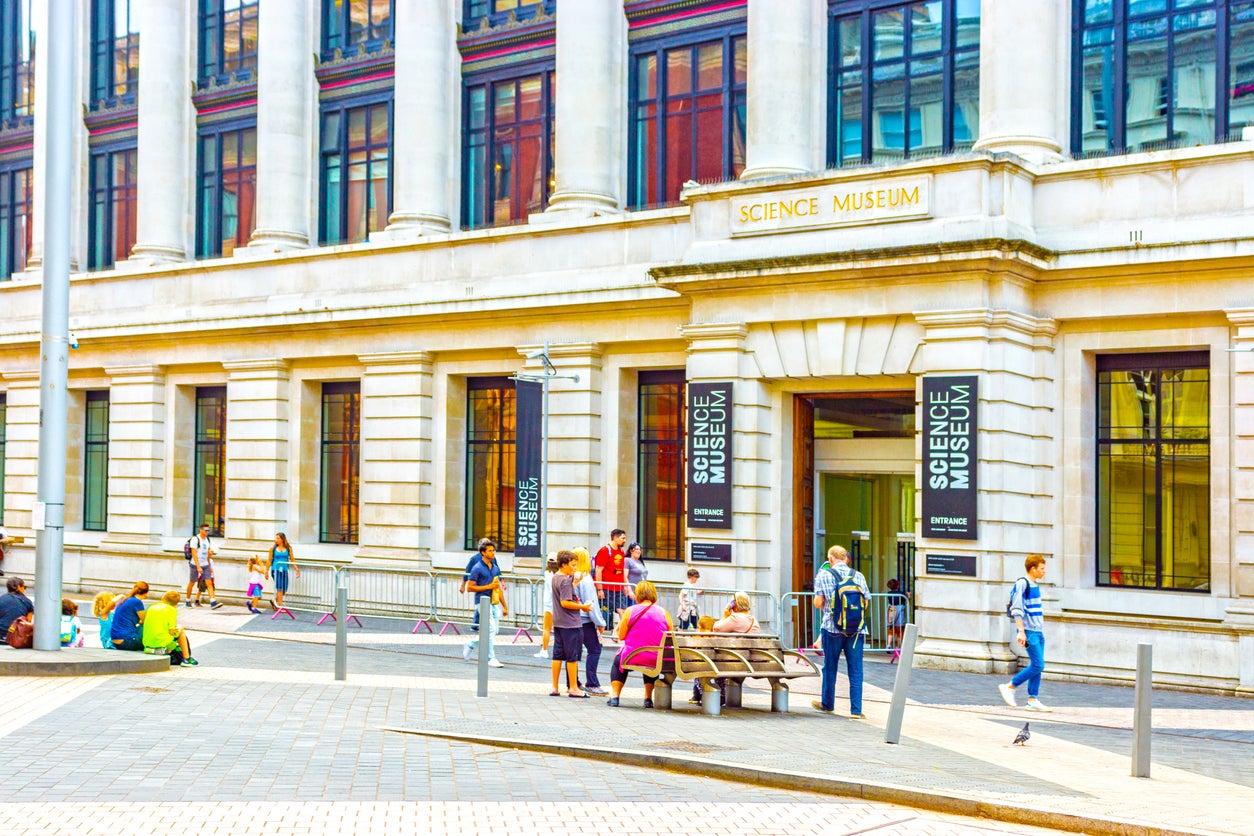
(905,79)
(509,149)
(341,465)
(209,467)
(490,439)
(227,196)
(660,467)
(1153,480)
(17,60)
(355,171)
(497,11)
(96,463)
(114,205)
(15,219)
(228,38)
(349,25)
(114,52)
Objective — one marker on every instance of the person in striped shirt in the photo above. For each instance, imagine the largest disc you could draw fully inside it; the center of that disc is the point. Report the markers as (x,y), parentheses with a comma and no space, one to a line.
(1025,609)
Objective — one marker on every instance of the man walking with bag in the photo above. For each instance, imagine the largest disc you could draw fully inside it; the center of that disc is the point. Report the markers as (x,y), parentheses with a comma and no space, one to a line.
(200,567)
(1029,618)
(841,594)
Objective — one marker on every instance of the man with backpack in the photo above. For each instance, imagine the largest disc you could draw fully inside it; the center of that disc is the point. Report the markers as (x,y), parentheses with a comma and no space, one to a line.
(199,555)
(841,594)
(1025,609)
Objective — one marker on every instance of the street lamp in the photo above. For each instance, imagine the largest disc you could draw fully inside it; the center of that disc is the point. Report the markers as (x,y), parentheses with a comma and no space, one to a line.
(547,373)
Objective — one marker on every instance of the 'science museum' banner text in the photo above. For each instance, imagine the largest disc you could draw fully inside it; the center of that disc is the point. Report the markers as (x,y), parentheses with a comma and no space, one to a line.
(528,468)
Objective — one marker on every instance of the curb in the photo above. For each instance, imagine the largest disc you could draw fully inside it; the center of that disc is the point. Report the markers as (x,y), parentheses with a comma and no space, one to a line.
(88,662)
(793,780)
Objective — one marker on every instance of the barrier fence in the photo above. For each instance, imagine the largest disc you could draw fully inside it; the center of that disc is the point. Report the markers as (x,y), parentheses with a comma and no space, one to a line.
(886,617)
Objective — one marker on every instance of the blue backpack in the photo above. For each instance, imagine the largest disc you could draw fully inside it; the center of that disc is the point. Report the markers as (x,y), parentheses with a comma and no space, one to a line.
(851,617)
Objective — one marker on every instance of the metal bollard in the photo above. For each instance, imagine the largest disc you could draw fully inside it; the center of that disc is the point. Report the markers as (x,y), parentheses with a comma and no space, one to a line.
(901,685)
(485,636)
(341,628)
(1142,720)
(711,698)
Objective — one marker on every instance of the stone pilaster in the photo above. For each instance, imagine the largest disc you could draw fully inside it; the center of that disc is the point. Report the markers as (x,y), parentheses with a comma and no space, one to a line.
(588,118)
(258,405)
(962,621)
(779,132)
(286,97)
(21,450)
(137,455)
(166,132)
(396,467)
(1020,55)
(425,108)
(1240,614)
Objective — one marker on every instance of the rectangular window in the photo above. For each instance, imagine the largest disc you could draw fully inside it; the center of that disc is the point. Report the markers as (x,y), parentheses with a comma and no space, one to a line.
(4,422)
(112,212)
(353,25)
(499,11)
(905,79)
(490,437)
(228,39)
(114,53)
(17,61)
(1153,471)
(356,174)
(509,149)
(660,464)
(96,463)
(209,501)
(15,220)
(688,114)
(227,194)
(341,452)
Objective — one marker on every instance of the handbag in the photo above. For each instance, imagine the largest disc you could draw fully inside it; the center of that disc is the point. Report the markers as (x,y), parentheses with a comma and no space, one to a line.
(22,633)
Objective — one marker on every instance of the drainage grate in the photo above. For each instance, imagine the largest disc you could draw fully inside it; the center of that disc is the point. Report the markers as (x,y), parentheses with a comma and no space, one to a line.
(689,747)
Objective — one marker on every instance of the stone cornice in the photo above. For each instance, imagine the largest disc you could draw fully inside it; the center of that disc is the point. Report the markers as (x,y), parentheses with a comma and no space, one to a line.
(265,365)
(697,331)
(22,377)
(1033,326)
(398,358)
(1240,316)
(149,370)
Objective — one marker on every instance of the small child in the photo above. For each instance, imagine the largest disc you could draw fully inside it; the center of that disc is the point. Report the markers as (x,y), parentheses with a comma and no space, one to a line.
(256,580)
(102,609)
(689,607)
(71,627)
(705,624)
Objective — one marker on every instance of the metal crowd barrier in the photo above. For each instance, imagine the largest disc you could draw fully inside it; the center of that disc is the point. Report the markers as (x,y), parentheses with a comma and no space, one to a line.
(802,621)
(712,601)
(313,591)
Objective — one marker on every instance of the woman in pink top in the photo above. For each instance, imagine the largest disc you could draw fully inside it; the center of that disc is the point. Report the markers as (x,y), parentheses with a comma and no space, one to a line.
(641,626)
(738,619)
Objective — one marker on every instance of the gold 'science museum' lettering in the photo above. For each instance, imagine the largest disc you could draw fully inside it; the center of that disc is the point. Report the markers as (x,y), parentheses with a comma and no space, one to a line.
(833,206)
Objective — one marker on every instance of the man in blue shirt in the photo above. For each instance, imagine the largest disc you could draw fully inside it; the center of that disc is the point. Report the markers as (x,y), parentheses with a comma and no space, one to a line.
(14,605)
(485,581)
(835,641)
(484,544)
(1029,617)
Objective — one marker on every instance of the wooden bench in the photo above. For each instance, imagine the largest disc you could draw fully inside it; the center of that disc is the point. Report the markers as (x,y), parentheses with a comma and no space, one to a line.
(733,657)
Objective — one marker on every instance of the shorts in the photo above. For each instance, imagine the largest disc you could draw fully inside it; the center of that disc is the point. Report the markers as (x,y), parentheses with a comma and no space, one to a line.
(254,590)
(132,643)
(195,573)
(567,644)
(619,674)
(280,579)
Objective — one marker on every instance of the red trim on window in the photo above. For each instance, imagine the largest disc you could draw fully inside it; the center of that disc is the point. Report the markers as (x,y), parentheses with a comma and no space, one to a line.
(702,10)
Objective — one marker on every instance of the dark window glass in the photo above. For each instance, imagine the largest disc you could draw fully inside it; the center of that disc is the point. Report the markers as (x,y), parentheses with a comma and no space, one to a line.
(114,204)
(498,11)
(660,464)
(905,79)
(15,220)
(96,463)
(228,39)
(509,149)
(1153,471)
(17,60)
(114,52)
(227,192)
(490,428)
(350,25)
(4,421)
(688,115)
(355,171)
(341,452)
(209,502)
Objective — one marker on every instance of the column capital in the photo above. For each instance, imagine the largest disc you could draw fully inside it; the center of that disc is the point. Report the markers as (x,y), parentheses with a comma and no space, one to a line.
(696,332)
(1241,318)
(26,377)
(584,349)
(152,371)
(398,358)
(1033,326)
(241,368)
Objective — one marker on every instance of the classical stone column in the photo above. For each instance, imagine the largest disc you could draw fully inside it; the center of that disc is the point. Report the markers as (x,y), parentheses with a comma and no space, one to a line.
(1020,57)
(425,107)
(21,453)
(137,455)
(779,132)
(1240,614)
(166,132)
(591,68)
(286,120)
(258,407)
(396,467)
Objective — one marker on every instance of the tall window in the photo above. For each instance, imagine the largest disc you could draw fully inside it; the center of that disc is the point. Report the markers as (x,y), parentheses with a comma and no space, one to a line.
(348,25)
(341,451)
(509,149)
(1150,74)
(96,463)
(660,464)
(209,498)
(905,79)
(688,115)
(15,220)
(227,194)
(1153,471)
(4,421)
(356,171)
(490,436)
(497,11)
(17,54)
(113,209)
(114,52)
(228,38)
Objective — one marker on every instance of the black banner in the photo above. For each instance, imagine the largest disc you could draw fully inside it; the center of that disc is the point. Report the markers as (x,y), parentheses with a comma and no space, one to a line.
(528,468)
(710,455)
(950,425)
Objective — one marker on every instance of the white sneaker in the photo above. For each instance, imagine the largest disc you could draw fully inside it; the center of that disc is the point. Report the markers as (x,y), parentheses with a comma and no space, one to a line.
(1036,705)
(493,663)
(1008,694)
(541,654)
(466,652)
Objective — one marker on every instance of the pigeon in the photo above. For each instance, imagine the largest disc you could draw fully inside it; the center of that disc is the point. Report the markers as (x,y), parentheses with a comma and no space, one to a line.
(1021,739)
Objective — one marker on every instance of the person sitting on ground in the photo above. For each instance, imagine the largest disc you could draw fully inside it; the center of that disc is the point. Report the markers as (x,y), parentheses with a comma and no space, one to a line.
(102,609)
(641,626)
(13,605)
(128,616)
(162,633)
(71,627)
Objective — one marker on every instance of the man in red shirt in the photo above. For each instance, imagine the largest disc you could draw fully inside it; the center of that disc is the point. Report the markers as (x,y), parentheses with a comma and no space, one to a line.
(610,576)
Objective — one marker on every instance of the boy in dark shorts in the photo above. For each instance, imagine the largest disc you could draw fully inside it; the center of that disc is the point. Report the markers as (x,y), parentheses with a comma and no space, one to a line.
(567,626)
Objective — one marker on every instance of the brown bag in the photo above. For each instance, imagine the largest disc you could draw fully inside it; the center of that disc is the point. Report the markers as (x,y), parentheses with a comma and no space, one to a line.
(22,633)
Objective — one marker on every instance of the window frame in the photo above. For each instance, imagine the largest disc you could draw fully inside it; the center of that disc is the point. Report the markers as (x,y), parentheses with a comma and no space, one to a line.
(17,76)
(96,462)
(211,22)
(9,215)
(473,19)
(206,194)
(344,107)
(349,489)
(205,446)
(105,47)
(4,441)
(505,451)
(675,550)
(373,42)
(95,258)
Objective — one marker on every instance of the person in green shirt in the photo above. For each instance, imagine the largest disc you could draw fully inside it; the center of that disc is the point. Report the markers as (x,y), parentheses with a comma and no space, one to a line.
(162,633)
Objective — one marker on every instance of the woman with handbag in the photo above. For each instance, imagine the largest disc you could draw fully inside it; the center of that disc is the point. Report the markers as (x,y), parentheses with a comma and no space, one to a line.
(642,626)
(14,605)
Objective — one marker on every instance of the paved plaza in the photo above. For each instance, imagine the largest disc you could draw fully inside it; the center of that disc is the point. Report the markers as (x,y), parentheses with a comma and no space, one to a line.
(260,739)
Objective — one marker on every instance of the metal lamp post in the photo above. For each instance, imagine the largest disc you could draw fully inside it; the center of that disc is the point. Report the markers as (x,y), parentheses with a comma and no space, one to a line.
(549,373)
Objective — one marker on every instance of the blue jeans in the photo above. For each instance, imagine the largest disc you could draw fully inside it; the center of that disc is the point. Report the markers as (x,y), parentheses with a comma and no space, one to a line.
(833,645)
(1036,658)
(592,643)
(493,628)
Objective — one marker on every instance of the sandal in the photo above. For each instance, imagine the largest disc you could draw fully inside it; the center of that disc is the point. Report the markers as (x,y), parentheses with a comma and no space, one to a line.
(579,696)
(554,694)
